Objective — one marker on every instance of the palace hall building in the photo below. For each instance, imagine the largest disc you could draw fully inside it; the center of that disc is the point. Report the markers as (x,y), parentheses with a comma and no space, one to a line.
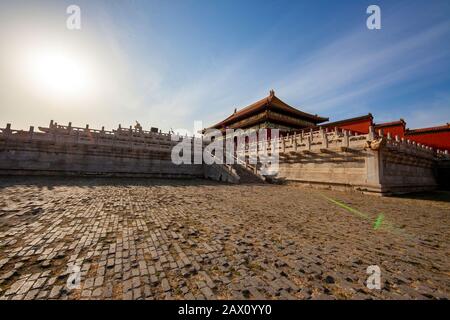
(270,113)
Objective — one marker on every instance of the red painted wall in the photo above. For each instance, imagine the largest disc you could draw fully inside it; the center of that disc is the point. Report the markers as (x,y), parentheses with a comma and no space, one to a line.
(394,130)
(360,126)
(438,139)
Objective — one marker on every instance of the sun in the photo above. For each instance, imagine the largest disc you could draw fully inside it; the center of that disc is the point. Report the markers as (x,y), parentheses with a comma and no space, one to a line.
(58,73)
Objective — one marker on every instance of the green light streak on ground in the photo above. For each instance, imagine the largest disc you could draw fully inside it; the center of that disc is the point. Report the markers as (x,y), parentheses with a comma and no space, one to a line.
(378,221)
(359,213)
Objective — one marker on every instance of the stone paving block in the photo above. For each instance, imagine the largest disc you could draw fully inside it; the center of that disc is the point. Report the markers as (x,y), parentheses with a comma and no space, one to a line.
(55,292)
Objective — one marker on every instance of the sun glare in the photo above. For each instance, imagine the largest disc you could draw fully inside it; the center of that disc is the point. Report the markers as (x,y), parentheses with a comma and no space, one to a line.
(58,73)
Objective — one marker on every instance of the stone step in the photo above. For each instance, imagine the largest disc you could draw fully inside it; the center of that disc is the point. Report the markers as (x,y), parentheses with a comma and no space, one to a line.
(246,176)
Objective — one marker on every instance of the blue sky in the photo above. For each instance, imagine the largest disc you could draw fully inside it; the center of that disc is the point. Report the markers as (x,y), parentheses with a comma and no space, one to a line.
(168,63)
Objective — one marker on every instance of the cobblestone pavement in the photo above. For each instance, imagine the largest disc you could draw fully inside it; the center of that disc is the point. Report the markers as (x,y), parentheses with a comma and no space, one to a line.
(202,240)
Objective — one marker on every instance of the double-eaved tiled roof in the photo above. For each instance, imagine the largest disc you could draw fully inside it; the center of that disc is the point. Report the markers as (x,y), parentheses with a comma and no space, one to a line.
(270,102)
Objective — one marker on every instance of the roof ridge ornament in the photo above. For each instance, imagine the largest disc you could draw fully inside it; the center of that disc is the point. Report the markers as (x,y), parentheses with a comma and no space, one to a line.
(271,93)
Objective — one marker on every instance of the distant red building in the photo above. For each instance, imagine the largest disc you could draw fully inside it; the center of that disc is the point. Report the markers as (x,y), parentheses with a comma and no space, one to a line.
(358,124)
(395,128)
(435,137)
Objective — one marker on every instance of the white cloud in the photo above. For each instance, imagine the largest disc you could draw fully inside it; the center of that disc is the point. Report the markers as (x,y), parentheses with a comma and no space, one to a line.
(432,112)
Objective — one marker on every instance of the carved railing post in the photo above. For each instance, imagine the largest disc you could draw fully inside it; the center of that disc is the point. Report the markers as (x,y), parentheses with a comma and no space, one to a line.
(54,131)
(346,139)
(31,133)
(371,135)
(7,131)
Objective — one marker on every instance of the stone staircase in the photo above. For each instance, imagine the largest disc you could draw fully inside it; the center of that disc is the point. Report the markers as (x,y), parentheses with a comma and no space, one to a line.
(246,175)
